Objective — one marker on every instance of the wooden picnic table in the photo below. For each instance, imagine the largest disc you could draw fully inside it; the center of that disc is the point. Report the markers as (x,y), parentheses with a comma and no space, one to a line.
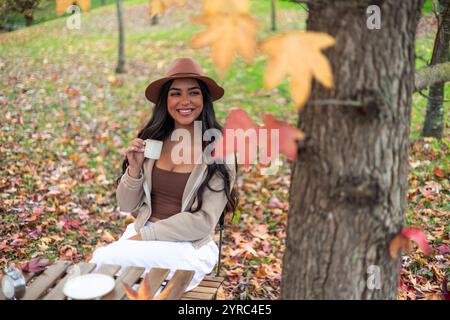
(49,284)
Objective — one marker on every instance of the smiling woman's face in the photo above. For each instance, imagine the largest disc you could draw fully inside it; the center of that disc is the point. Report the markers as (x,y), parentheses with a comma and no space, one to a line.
(185,101)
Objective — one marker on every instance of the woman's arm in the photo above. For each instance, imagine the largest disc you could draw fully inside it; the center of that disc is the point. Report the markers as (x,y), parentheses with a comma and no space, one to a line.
(130,192)
(187,226)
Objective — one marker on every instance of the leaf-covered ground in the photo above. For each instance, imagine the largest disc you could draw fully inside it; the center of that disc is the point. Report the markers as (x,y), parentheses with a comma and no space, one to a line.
(66,118)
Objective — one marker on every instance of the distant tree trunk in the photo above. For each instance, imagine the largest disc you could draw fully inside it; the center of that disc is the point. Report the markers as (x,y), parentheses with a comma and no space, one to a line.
(121,58)
(29,18)
(154,20)
(434,118)
(273,15)
(349,184)
(103,2)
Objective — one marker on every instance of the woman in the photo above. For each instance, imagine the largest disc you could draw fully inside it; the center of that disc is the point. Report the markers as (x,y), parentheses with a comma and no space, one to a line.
(176,205)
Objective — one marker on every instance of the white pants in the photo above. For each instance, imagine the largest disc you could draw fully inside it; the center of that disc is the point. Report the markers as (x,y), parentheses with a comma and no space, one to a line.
(160,254)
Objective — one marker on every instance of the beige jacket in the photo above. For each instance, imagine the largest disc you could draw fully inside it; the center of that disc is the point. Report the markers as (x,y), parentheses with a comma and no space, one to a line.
(133,195)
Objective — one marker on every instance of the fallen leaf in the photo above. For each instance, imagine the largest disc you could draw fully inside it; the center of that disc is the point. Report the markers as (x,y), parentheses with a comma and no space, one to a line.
(438,172)
(35,265)
(443,249)
(107,237)
(274,202)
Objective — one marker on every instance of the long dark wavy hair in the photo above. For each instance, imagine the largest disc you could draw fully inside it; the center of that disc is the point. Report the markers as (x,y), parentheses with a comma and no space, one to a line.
(161,125)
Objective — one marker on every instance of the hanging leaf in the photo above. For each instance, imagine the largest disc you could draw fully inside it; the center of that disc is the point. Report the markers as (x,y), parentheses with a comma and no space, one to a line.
(298,55)
(403,241)
(230,29)
(288,136)
(143,293)
(63,5)
(237,119)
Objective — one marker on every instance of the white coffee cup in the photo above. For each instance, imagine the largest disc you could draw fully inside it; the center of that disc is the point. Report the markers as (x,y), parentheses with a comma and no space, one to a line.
(152,148)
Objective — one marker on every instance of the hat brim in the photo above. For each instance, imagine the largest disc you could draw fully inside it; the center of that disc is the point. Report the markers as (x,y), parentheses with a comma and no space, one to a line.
(153,89)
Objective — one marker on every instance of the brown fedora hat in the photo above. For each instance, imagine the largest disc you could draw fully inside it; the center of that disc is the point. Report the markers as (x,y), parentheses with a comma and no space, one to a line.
(183,68)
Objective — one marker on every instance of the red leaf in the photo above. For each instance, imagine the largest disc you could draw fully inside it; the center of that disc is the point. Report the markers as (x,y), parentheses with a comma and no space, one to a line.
(418,237)
(288,136)
(404,238)
(237,119)
(443,249)
(438,172)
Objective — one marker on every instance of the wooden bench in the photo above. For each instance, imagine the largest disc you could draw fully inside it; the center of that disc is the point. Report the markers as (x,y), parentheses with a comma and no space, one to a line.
(48,285)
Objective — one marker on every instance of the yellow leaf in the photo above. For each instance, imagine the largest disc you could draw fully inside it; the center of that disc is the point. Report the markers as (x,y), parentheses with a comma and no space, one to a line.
(298,55)
(213,7)
(159,6)
(227,34)
(107,237)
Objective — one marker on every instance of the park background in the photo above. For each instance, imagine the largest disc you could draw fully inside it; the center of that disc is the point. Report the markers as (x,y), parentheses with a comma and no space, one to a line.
(66,117)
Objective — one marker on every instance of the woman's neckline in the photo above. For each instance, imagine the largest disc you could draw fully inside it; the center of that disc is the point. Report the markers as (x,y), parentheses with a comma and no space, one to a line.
(171,171)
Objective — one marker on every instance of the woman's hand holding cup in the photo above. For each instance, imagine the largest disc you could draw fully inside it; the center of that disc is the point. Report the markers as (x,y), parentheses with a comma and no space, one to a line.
(135,156)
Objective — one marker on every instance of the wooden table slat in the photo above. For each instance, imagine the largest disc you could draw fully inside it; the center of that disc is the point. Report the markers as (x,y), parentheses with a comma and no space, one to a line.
(212,278)
(57,292)
(156,278)
(210,284)
(45,280)
(204,290)
(198,295)
(108,269)
(129,276)
(178,284)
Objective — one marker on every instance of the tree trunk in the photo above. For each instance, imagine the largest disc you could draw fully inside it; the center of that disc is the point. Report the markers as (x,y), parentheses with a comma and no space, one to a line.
(154,20)
(121,59)
(434,118)
(29,19)
(349,184)
(273,14)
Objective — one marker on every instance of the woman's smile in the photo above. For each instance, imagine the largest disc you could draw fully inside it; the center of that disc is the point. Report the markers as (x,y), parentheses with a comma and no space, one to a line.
(185,101)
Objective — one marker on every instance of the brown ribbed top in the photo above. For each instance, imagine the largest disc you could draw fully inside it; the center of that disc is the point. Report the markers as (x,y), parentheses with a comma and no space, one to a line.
(167,192)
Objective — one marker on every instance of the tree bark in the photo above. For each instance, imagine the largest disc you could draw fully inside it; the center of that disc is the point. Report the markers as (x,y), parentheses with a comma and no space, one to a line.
(349,184)
(434,118)
(121,57)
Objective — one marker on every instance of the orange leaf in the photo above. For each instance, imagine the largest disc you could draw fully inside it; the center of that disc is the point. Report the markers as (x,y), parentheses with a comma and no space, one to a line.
(229,29)
(143,293)
(63,5)
(298,55)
